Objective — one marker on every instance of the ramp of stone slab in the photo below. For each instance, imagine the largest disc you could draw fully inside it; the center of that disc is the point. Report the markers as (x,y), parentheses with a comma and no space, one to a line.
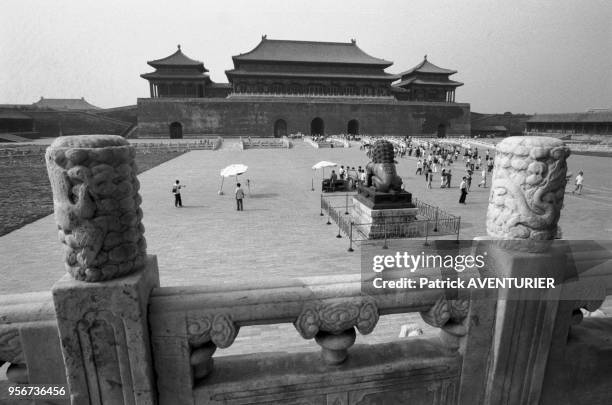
(12,138)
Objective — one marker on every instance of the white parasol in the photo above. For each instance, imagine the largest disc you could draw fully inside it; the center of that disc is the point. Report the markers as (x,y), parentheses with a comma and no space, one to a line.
(232,170)
(322,165)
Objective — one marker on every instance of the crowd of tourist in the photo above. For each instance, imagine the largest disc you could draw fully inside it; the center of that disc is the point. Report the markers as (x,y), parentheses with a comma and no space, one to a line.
(436,158)
(347,178)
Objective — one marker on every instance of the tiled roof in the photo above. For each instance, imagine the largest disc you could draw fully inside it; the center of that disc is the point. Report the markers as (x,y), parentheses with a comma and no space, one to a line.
(13,115)
(498,128)
(310,51)
(64,104)
(175,75)
(428,67)
(414,80)
(178,58)
(596,116)
(383,76)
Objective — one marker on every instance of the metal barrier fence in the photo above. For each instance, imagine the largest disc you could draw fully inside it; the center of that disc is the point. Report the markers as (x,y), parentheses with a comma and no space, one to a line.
(437,222)
(443,221)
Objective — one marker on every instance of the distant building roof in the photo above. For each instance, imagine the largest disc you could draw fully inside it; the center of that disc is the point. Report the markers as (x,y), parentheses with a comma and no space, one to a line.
(491,128)
(428,67)
(177,59)
(309,51)
(64,104)
(221,85)
(595,116)
(174,75)
(414,80)
(13,115)
(382,75)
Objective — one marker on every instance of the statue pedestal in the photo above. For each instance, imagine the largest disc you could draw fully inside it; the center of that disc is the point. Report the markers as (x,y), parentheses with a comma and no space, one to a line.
(394,222)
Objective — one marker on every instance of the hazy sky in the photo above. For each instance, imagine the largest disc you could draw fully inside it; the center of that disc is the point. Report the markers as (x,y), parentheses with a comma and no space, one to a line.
(513,55)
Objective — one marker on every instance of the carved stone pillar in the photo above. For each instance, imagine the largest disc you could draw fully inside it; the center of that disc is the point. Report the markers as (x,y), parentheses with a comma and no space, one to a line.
(101,305)
(526,198)
(527,188)
(97,205)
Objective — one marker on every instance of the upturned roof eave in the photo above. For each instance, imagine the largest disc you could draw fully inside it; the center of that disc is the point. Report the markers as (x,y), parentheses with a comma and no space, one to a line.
(373,60)
(385,76)
(384,65)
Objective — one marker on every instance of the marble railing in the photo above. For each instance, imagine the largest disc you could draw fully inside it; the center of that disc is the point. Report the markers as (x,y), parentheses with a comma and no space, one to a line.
(259,143)
(29,341)
(345,143)
(188,324)
(187,144)
(311,142)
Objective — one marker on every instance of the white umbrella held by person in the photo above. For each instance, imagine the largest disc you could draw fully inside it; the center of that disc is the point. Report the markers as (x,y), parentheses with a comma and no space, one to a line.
(322,165)
(232,170)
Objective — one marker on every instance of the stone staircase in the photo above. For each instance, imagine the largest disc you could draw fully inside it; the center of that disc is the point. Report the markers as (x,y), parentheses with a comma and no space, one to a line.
(272,143)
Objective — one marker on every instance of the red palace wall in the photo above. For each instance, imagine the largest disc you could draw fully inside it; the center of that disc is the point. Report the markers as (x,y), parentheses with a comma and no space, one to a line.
(257,117)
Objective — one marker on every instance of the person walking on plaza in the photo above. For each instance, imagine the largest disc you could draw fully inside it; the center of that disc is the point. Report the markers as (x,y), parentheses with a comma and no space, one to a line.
(448,178)
(419,169)
(430,179)
(332,180)
(443,179)
(490,164)
(463,188)
(579,180)
(468,179)
(176,190)
(483,174)
(239,193)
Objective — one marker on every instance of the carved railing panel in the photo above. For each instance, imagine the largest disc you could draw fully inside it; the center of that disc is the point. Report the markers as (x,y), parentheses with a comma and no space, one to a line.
(190,324)
(29,340)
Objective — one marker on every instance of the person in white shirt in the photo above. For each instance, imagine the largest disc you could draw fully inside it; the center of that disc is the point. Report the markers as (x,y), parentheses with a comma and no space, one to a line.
(176,190)
(579,180)
(483,174)
(463,188)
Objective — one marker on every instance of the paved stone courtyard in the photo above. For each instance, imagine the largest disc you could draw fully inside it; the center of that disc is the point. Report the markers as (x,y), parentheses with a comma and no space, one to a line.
(280,232)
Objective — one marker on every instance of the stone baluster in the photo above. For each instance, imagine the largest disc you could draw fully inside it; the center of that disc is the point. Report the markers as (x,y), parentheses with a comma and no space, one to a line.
(101,304)
(205,333)
(332,323)
(334,346)
(449,316)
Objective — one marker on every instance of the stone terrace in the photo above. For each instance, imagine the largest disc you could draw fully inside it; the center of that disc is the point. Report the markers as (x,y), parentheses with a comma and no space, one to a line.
(280,233)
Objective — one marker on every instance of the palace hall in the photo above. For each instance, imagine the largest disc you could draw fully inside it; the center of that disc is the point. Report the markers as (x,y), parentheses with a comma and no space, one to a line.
(284,87)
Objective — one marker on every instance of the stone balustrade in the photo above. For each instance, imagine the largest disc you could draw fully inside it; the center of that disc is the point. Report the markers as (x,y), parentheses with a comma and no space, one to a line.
(340,140)
(188,324)
(29,340)
(264,143)
(311,142)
